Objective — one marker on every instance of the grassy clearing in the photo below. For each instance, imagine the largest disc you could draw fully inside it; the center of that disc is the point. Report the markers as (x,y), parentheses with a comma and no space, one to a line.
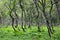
(30,34)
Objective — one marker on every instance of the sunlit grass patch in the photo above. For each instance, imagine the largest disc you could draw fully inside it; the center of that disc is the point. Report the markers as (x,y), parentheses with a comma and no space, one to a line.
(30,34)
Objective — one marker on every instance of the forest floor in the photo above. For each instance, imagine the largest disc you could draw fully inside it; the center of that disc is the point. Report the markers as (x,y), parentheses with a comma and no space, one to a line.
(30,34)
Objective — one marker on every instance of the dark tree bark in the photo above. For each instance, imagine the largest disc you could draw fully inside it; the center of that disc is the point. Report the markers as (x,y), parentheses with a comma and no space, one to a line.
(16,16)
(10,14)
(22,8)
(35,2)
(43,3)
(50,17)
(12,21)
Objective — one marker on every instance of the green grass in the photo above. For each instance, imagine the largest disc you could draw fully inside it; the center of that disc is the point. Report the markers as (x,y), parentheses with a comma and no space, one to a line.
(30,34)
